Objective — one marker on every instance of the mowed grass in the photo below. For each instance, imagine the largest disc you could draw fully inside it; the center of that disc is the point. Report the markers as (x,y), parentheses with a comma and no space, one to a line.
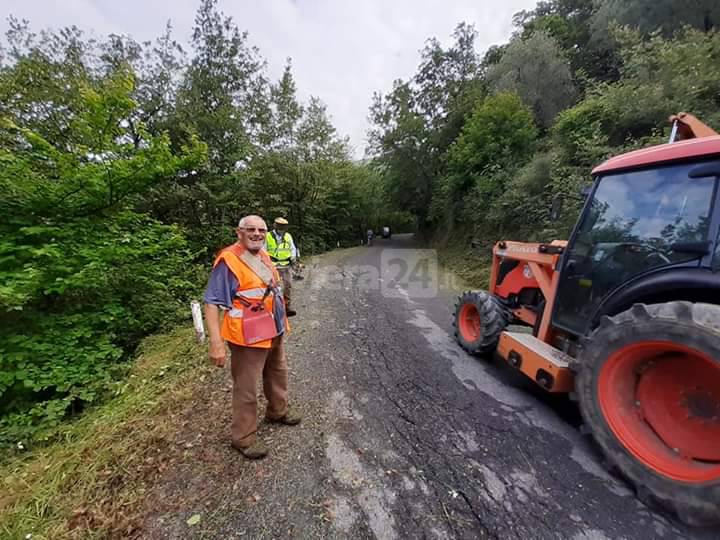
(90,483)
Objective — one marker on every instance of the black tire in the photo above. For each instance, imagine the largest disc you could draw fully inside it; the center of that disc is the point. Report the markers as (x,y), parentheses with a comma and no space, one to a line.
(493,320)
(693,325)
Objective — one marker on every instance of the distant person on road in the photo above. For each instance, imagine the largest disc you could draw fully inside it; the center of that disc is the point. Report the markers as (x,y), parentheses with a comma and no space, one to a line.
(369,236)
(245,285)
(284,255)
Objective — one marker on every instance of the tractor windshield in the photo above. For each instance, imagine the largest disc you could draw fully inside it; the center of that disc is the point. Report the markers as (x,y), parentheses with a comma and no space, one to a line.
(636,222)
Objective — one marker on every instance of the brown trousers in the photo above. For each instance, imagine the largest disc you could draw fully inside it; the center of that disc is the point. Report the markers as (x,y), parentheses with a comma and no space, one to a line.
(247,364)
(286,276)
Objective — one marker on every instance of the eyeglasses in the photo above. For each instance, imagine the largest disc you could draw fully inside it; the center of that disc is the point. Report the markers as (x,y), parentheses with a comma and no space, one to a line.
(253,229)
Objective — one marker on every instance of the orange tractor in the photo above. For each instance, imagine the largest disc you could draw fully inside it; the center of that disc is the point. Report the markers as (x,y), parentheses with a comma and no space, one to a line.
(625,316)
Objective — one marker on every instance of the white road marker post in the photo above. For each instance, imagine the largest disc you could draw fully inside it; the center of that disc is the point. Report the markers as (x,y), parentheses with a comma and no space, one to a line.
(198,321)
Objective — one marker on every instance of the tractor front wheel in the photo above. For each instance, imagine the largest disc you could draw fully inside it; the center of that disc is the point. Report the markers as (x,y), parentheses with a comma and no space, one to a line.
(648,381)
(479,320)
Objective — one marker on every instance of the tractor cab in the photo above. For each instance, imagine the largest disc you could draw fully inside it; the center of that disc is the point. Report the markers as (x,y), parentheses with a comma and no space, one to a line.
(638,227)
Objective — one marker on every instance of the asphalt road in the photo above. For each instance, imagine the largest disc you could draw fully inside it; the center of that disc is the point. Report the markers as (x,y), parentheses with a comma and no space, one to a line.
(405,435)
(439,444)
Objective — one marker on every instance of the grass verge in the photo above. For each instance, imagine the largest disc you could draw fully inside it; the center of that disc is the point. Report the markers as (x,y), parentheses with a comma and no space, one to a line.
(471,265)
(89,484)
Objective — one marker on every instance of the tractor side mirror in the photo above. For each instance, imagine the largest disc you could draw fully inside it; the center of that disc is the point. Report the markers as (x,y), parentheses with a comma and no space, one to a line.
(705,170)
(556,208)
(585,192)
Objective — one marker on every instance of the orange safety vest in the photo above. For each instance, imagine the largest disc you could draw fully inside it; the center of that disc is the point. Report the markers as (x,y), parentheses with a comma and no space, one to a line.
(250,286)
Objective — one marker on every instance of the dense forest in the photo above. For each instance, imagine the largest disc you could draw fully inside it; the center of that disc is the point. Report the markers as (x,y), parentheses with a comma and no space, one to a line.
(124,166)
(477,145)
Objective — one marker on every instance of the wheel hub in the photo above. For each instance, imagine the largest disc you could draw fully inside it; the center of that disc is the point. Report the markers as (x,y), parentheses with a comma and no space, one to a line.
(680,400)
(702,405)
(662,402)
(469,322)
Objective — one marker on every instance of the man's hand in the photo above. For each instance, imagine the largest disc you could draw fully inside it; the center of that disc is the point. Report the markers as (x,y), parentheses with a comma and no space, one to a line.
(217,353)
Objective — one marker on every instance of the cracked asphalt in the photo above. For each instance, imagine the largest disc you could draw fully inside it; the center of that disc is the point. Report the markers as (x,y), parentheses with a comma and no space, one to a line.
(405,435)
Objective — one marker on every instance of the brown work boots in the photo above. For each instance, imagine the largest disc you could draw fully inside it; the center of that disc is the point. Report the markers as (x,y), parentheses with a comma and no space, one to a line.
(258,450)
(291,418)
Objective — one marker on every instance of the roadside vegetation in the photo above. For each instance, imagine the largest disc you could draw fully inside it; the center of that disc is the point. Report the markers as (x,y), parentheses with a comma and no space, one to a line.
(89,482)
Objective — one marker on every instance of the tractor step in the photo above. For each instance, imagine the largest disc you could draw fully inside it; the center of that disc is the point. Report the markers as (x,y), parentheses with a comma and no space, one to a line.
(543,363)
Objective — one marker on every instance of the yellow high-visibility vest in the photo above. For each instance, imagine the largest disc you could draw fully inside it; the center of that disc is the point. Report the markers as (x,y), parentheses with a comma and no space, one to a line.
(280,252)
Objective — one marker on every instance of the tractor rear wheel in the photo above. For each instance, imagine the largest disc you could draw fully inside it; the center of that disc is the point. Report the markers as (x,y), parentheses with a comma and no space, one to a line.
(648,382)
(479,320)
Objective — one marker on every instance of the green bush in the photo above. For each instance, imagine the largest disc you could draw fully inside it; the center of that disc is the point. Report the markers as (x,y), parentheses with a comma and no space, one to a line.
(83,277)
(77,297)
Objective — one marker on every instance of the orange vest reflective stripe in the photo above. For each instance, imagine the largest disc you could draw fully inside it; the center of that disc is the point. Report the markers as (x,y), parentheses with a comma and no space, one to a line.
(250,286)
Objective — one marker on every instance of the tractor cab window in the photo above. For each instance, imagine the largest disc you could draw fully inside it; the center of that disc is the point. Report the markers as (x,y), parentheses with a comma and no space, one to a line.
(636,222)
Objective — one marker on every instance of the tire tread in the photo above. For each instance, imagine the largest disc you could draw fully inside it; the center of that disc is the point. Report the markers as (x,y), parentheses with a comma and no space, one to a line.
(493,320)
